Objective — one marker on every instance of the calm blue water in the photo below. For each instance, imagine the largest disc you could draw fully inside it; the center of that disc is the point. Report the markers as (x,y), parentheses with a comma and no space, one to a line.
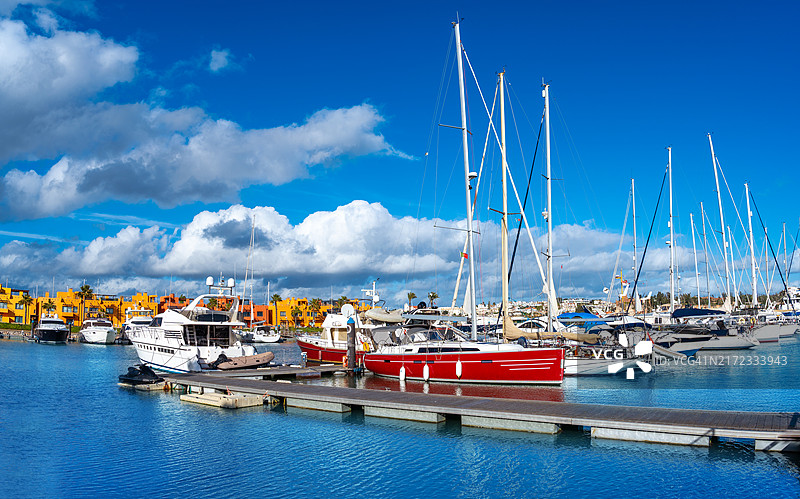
(67,430)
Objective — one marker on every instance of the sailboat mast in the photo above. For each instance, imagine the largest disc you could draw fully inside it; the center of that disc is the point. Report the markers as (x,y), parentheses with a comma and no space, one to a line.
(696,270)
(722,226)
(633,202)
(705,254)
(752,247)
(551,300)
(464,140)
(733,269)
(504,224)
(671,239)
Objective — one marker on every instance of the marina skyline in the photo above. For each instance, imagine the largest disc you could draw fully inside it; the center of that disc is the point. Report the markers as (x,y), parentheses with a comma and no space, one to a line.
(143,144)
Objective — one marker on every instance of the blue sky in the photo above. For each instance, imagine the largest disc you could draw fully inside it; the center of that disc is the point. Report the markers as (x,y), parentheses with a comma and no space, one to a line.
(141,138)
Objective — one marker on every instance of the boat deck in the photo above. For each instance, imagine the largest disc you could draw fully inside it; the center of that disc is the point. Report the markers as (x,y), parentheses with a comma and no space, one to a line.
(770,431)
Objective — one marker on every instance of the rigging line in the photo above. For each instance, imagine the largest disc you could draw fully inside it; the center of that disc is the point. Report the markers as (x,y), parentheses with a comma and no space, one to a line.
(730,193)
(716,264)
(527,192)
(438,109)
(794,248)
(579,160)
(647,243)
(785,287)
(619,251)
(516,128)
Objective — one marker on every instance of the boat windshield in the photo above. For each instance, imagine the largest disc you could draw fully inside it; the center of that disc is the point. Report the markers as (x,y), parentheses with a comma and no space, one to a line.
(421,335)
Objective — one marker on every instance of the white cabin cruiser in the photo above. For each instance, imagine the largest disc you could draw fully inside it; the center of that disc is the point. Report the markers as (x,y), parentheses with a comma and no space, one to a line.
(196,339)
(98,331)
(134,318)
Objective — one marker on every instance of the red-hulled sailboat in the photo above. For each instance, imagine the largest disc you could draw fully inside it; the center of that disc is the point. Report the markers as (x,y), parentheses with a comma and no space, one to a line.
(441,353)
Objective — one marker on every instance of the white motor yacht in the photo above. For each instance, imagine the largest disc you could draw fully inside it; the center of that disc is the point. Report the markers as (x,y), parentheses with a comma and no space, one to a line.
(197,338)
(98,331)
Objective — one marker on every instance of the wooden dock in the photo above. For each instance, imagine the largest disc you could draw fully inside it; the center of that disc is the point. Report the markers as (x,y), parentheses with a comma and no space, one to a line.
(769,431)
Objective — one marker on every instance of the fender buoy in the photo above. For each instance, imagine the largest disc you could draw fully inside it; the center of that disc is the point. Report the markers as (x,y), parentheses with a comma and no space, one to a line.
(402,373)
(426,372)
(458,369)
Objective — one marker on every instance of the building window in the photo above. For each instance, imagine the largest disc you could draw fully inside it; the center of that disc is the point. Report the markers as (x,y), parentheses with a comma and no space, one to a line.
(260,313)
(19,306)
(66,309)
(18,320)
(283,314)
(109,310)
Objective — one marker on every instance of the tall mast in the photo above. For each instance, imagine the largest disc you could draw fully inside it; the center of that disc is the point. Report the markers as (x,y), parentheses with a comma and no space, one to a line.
(705,254)
(550,288)
(696,270)
(722,227)
(752,247)
(733,269)
(464,140)
(633,202)
(785,269)
(671,239)
(504,223)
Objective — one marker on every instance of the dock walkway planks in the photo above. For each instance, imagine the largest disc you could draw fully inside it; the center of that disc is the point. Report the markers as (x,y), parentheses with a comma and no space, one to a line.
(775,431)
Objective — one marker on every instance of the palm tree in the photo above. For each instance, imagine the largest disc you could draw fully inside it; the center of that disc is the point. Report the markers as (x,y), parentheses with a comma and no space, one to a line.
(296,312)
(212,303)
(275,299)
(49,306)
(84,294)
(432,296)
(314,307)
(26,301)
(341,301)
(411,296)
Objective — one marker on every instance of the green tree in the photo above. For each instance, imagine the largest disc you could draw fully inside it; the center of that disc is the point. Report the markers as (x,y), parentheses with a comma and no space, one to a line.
(276,298)
(181,298)
(341,301)
(432,296)
(296,313)
(26,301)
(49,306)
(315,306)
(212,303)
(411,295)
(86,293)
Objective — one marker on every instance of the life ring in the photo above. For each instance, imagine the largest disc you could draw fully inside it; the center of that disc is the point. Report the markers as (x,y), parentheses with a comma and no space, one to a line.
(344,360)
(365,346)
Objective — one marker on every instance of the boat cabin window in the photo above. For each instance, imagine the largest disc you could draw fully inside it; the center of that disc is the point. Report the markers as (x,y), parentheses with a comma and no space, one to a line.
(207,335)
(156,322)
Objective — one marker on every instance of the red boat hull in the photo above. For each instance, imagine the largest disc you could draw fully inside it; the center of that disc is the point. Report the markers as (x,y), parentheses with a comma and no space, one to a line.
(529,366)
(327,355)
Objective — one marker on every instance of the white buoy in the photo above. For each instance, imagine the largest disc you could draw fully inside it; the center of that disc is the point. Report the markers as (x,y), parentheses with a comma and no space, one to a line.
(458,369)
(426,372)
(402,373)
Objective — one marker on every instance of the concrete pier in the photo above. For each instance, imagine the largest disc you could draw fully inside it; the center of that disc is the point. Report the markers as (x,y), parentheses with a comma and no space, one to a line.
(770,431)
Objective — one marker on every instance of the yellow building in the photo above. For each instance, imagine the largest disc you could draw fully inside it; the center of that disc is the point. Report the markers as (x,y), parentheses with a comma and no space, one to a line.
(69,306)
(12,306)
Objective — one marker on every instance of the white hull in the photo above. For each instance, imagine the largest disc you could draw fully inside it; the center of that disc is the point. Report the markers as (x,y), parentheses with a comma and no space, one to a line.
(788,330)
(266,338)
(165,350)
(768,333)
(727,343)
(574,366)
(98,336)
